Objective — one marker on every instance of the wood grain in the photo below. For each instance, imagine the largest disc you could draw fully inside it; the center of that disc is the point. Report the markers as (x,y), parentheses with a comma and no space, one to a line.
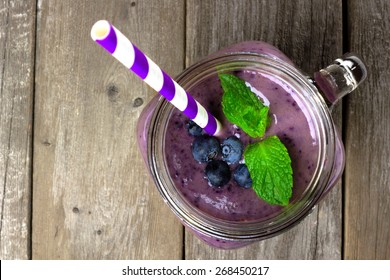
(367,176)
(17,45)
(93,198)
(310,33)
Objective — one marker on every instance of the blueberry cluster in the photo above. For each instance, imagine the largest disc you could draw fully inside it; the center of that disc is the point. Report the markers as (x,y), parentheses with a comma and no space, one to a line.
(219,156)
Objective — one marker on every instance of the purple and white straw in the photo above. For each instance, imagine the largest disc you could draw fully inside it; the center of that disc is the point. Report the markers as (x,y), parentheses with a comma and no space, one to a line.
(129,55)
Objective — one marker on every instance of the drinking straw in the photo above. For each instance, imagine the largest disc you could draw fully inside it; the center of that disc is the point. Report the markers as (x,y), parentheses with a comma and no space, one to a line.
(113,41)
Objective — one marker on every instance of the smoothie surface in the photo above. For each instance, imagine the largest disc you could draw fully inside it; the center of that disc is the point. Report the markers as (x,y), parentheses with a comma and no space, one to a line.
(291,122)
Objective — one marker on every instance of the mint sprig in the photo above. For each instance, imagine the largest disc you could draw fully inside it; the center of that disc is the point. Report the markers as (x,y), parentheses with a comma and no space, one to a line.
(268,161)
(242,107)
(269,164)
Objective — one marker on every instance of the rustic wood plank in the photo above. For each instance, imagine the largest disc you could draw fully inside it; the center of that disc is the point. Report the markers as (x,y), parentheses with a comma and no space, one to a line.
(93,198)
(17,45)
(367,176)
(310,33)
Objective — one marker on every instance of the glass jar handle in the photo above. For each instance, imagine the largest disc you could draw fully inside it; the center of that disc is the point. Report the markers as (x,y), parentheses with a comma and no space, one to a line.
(341,77)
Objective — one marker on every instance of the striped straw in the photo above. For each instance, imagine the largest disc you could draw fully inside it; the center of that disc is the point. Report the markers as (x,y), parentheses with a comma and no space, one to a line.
(129,55)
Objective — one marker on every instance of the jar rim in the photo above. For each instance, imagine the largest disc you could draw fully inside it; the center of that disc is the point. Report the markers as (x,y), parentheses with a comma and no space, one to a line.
(229,230)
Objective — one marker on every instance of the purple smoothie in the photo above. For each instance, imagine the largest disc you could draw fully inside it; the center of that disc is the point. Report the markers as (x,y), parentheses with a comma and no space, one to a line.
(231,202)
(292,122)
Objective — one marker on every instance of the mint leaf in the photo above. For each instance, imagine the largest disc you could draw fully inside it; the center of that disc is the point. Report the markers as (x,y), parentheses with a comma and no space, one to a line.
(242,107)
(269,165)
(268,161)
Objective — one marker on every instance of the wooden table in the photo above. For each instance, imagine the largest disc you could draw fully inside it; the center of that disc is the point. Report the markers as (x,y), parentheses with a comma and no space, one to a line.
(72,182)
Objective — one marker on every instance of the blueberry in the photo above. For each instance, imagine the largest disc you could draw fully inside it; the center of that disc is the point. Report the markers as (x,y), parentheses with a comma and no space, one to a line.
(193,129)
(218,173)
(205,148)
(232,149)
(242,177)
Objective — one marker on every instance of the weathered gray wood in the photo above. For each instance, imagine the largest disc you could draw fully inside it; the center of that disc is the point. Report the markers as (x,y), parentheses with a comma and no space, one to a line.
(17,37)
(93,198)
(310,33)
(367,177)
